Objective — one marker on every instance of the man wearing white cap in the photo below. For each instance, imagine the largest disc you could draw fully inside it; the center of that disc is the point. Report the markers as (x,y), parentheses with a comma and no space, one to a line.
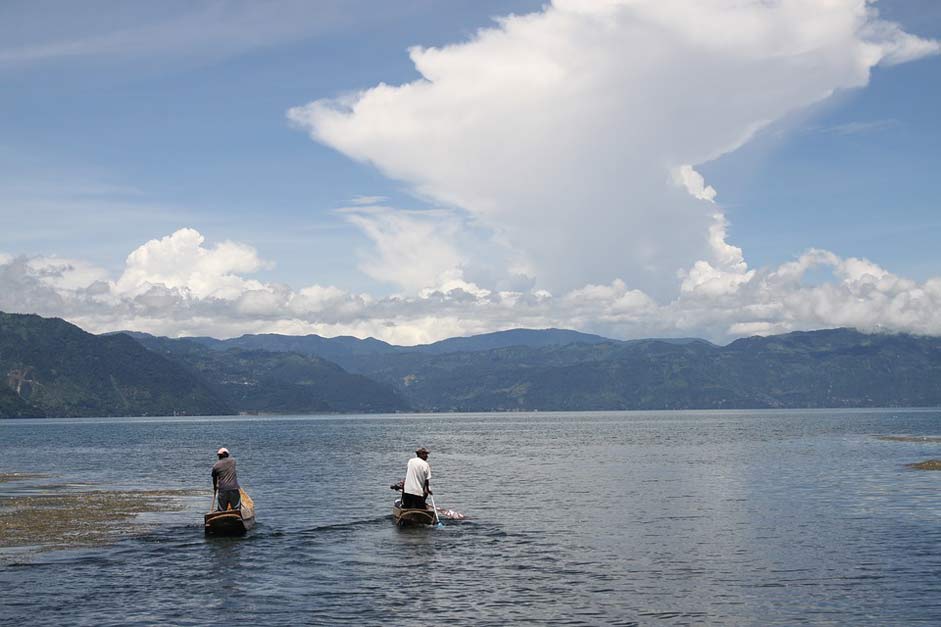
(225,480)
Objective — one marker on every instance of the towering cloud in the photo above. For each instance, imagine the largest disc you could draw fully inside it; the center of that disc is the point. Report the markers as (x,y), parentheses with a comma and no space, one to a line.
(562,131)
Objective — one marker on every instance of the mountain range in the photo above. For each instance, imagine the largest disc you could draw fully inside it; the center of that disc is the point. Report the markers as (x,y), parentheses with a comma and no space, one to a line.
(831,368)
(262,381)
(351,352)
(52,368)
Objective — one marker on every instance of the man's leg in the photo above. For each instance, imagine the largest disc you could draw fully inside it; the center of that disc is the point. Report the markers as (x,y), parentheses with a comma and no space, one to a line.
(229,497)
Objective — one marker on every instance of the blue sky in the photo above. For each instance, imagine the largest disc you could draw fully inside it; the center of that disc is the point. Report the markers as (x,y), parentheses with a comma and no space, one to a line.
(857,175)
(122,123)
(201,135)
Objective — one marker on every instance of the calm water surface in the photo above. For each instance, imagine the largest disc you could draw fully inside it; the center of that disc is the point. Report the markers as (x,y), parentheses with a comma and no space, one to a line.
(730,518)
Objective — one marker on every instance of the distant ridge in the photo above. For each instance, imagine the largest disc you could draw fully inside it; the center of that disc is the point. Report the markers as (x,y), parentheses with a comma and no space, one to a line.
(350,351)
(51,367)
(263,381)
(829,368)
(557,369)
(533,338)
(54,368)
(340,350)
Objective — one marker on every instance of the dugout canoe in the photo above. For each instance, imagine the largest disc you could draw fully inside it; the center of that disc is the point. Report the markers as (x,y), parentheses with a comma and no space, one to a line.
(231,522)
(408,517)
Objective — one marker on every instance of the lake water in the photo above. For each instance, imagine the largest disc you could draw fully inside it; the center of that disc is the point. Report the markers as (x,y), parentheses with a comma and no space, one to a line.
(621,518)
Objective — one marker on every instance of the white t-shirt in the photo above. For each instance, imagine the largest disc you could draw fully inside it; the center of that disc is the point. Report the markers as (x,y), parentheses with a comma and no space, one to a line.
(418,472)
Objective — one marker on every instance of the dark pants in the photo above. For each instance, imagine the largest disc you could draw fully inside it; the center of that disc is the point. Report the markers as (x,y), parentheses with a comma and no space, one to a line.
(413,501)
(229,497)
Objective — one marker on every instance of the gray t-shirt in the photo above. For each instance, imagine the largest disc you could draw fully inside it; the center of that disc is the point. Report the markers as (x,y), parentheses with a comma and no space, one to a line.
(224,473)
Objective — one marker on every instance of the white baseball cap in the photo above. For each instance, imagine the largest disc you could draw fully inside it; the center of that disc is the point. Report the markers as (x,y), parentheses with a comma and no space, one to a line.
(222,451)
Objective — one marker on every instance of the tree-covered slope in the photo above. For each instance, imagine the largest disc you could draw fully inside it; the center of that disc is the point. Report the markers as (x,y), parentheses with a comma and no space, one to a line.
(835,368)
(278,382)
(351,352)
(839,368)
(12,406)
(339,350)
(57,369)
(533,338)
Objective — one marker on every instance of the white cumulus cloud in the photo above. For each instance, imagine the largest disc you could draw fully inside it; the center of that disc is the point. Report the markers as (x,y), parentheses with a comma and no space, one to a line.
(181,261)
(217,297)
(562,131)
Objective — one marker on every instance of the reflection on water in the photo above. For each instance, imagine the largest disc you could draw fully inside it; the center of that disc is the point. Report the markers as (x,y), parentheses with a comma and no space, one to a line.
(601,518)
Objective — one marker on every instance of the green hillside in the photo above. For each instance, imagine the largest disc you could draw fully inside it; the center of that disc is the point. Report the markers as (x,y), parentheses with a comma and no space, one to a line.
(12,406)
(834,368)
(53,368)
(56,369)
(277,382)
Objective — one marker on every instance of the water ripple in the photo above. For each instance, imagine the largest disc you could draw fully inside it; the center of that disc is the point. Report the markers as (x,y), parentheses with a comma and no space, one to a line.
(676,518)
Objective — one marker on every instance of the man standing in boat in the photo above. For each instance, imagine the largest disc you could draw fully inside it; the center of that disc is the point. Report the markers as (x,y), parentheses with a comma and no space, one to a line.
(417,478)
(225,480)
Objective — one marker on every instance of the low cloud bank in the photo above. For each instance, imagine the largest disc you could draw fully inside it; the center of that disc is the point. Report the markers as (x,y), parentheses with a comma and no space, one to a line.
(179,285)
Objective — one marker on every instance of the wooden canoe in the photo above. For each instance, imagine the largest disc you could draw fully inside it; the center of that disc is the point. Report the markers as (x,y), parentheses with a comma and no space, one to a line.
(405,517)
(231,522)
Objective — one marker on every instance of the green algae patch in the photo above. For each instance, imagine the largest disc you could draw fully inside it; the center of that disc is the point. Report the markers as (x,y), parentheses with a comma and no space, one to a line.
(931,464)
(60,519)
(910,438)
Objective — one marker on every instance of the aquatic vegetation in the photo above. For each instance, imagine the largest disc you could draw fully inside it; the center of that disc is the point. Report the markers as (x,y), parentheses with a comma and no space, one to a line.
(931,464)
(20,476)
(55,518)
